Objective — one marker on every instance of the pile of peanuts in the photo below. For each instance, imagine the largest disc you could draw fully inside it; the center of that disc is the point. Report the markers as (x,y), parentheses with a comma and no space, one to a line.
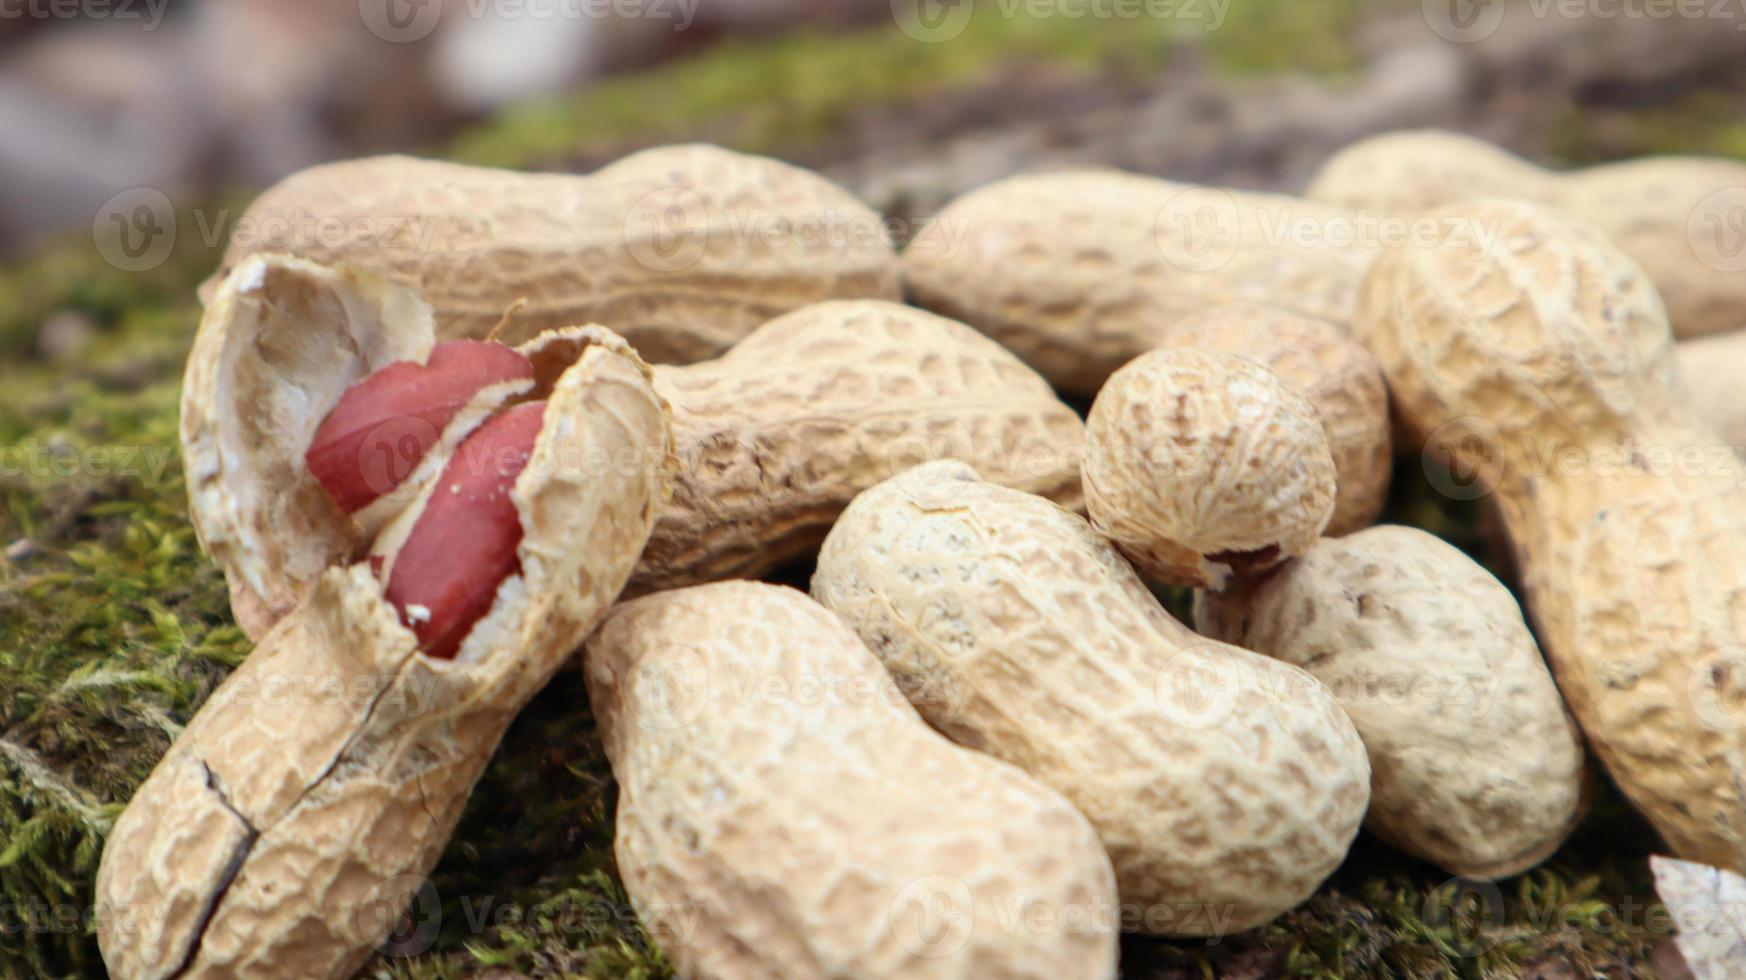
(433,467)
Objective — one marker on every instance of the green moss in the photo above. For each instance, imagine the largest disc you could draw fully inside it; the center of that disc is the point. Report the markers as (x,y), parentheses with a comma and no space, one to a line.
(1704,122)
(768,96)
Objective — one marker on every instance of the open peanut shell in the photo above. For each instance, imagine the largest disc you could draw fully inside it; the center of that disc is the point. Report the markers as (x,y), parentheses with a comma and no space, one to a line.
(293,819)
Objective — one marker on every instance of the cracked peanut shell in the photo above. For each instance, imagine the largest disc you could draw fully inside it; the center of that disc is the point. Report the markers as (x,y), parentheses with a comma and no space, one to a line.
(293,818)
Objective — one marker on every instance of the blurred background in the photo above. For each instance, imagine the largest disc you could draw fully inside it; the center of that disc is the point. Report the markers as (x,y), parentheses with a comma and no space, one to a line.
(906,101)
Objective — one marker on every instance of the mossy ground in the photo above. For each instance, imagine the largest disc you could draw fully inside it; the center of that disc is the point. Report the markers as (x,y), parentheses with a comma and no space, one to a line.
(114,628)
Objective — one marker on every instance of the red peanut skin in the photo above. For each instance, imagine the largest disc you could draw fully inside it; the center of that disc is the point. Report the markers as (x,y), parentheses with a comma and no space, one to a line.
(382,426)
(464,544)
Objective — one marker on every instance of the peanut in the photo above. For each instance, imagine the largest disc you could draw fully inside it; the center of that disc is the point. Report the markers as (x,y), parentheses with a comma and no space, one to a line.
(782,833)
(1198,464)
(445,576)
(683,249)
(1475,764)
(355,455)
(1334,373)
(1545,363)
(268,834)
(1217,779)
(1714,369)
(1078,273)
(778,435)
(1664,212)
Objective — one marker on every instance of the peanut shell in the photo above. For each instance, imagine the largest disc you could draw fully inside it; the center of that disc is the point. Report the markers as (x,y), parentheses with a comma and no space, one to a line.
(1225,786)
(783,812)
(1476,766)
(681,249)
(1544,365)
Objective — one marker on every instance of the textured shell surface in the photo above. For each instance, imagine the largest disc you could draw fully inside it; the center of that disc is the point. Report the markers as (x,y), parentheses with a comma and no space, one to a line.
(1678,217)
(1544,364)
(1334,373)
(285,841)
(1200,462)
(1413,171)
(1673,215)
(1080,272)
(1226,786)
(783,812)
(1476,765)
(682,249)
(778,435)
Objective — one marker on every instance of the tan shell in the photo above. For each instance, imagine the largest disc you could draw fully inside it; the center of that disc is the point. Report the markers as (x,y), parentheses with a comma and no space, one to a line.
(1413,171)
(1199,463)
(778,435)
(296,815)
(1714,369)
(682,249)
(783,812)
(1337,376)
(1673,215)
(1546,365)
(1225,786)
(1080,272)
(1475,764)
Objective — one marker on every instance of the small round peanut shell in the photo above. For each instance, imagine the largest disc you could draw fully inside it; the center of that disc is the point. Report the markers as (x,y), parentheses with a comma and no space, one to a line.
(1199,464)
(1338,376)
